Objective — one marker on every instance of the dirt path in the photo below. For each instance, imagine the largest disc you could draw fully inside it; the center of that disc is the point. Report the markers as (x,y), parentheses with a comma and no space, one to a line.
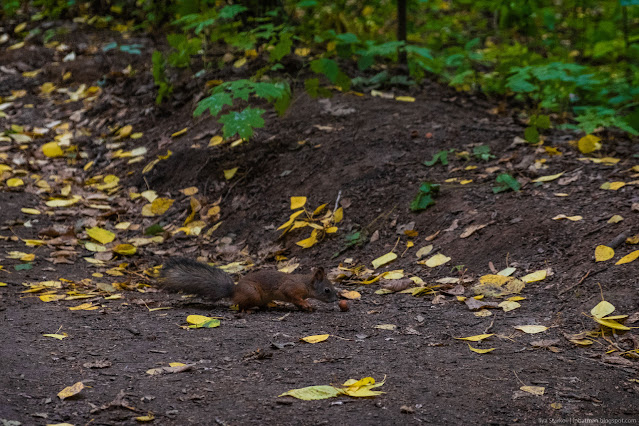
(370,161)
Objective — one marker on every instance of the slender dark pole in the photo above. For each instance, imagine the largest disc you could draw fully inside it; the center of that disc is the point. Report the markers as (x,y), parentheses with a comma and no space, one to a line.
(401,30)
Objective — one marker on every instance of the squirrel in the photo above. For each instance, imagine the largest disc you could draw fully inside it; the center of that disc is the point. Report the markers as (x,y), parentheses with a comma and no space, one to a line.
(255,289)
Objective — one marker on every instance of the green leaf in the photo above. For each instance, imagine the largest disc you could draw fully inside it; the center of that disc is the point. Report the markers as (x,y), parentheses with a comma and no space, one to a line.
(328,67)
(231,11)
(242,123)
(23,267)
(531,134)
(483,152)
(213,103)
(507,182)
(282,48)
(311,85)
(441,156)
(425,196)
(154,230)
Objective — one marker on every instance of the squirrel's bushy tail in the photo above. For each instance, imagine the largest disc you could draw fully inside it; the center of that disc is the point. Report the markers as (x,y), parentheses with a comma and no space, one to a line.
(190,276)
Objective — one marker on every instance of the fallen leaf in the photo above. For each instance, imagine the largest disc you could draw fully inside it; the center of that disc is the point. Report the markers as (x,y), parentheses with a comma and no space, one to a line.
(571,218)
(531,329)
(315,339)
(71,391)
(535,276)
(383,260)
(615,219)
(311,393)
(351,295)
(480,351)
(386,326)
(602,309)
(472,229)
(201,321)
(476,338)
(603,253)
(101,235)
(509,305)
(437,260)
(548,178)
(535,390)
(588,144)
(628,258)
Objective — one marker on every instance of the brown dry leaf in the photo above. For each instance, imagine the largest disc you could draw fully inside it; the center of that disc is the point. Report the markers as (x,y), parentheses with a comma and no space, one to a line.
(472,229)
(398,285)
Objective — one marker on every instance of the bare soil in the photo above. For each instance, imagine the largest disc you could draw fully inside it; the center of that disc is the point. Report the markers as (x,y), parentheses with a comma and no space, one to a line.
(369,161)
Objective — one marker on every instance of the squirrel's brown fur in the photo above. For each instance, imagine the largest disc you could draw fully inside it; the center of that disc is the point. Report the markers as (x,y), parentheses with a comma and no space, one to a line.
(255,289)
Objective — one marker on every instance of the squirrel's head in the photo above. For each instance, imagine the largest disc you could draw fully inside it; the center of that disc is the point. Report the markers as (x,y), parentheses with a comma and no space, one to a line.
(324,289)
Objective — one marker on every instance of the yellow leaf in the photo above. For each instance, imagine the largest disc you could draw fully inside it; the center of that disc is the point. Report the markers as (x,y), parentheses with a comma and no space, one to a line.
(602,309)
(60,202)
(297,202)
(179,132)
(615,219)
(581,342)
(148,418)
(158,207)
(56,336)
(628,258)
(84,307)
(613,186)
(312,393)
(611,324)
(476,338)
(52,150)
(496,280)
(123,132)
(548,178)
(125,249)
(480,351)
(437,260)
(603,253)
(394,275)
(535,390)
(308,242)
(101,235)
(405,98)
(390,327)
(424,251)
(531,329)
(91,246)
(71,390)
(572,218)
(331,230)
(535,276)
(315,339)
(216,140)
(352,295)
(14,182)
(383,260)
(239,63)
(192,190)
(198,321)
(509,305)
(319,209)
(136,135)
(338,215)
(51,297)
(588,144)
(228,174)
(29,210)
(20,27)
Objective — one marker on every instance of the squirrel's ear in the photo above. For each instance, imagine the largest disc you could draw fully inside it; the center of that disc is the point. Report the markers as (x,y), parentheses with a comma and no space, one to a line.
(320,274)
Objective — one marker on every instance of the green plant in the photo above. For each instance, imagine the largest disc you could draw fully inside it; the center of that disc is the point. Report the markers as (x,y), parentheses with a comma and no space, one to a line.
(425,196)
(482,152)
(243,122)
(159,77)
